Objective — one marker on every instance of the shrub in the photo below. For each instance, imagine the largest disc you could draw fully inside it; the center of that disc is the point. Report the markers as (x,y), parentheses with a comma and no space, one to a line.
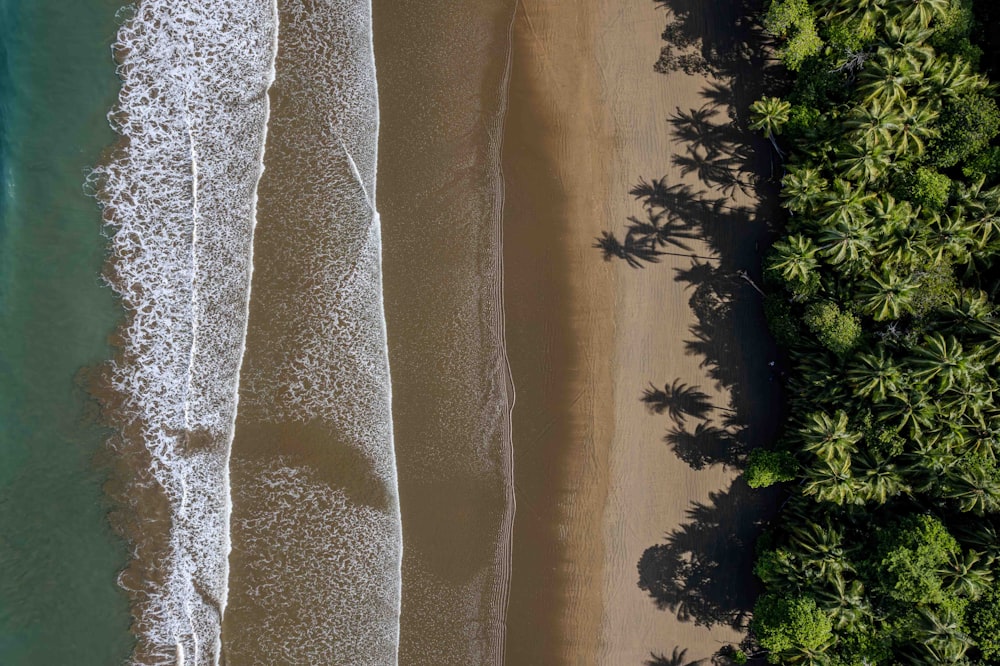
(840,332)
(984,623)
(766,468)
(789,624)
(793,21)
(927,188)
(967,125)
(911,555)
(984,164)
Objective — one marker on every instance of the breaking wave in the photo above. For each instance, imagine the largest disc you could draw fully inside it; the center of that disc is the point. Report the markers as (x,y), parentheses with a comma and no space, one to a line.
(178,194)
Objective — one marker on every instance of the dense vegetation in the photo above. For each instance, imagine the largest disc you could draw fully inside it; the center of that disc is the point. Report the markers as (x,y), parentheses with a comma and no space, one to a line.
(884,291)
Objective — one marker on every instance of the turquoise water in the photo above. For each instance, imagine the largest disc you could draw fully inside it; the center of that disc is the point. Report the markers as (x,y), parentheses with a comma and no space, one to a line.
(59,603)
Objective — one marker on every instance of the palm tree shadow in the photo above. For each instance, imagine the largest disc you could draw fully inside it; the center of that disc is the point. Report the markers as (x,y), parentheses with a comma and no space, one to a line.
(677,658)
(707,445)
(703,571)
(678,400)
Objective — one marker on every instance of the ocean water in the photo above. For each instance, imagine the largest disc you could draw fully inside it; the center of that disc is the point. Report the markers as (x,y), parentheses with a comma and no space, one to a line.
(247,403)
(59,603)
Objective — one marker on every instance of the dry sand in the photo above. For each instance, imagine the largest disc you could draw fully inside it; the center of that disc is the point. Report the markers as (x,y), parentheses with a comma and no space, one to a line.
(598,489)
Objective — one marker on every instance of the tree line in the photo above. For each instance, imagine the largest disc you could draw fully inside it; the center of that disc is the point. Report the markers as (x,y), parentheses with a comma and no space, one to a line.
(883,291)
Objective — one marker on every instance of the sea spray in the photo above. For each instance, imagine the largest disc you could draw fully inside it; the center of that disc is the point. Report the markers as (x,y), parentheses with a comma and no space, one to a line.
(316,535)
(178,196)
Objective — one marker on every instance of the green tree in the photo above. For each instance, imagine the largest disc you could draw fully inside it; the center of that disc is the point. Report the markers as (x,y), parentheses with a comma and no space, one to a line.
(766,468)
(769,115)
(984,623)
(966,126)
(927,188)
(794,260)
(838,331)
(789,626)
(793,22)
(911,555)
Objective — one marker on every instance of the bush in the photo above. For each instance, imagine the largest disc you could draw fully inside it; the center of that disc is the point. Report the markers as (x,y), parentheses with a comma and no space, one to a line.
(966,126)
(925,187)
(793,21)
(984,623)
(840,332)
(984,164)
(911,556)
(789,624)
(766,468)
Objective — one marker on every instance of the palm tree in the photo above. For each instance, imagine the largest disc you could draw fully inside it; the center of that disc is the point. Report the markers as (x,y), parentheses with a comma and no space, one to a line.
(910,410)
(949,76)
(884,79)
(944,359)
(886,296)
(859,162)
(821,548)
(950,237)
(829,482)
(915,128)
(878,480)
(803,189)
(872,124)
(846,242)
(769,115)
(919,12)
(971,313)
(973,487)
(968,574)
(829,438)
(845,203)
(845,601)
(876,376)
(795,259)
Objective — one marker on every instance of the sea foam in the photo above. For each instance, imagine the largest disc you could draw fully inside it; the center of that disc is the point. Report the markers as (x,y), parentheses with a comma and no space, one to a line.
(178,194)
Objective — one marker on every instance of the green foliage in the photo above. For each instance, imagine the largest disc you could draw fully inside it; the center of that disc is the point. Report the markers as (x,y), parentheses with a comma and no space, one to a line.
(952,31)
(927,188)
(817,85)
(852,36)
(883,441)
(785,16)
(769,115)
(790,625)
(985,164)
(840,332)
(766,468)
(793,21)
(984,623)
(911,556)
(937,288)
(966,126)
(884,290)
(804,122)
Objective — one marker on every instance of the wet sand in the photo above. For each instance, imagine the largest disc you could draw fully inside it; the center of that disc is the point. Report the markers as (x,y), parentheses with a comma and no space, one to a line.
(599,490)
(441,68)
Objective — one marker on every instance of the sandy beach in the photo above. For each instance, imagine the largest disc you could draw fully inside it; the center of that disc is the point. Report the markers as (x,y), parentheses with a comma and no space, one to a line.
(633,534)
